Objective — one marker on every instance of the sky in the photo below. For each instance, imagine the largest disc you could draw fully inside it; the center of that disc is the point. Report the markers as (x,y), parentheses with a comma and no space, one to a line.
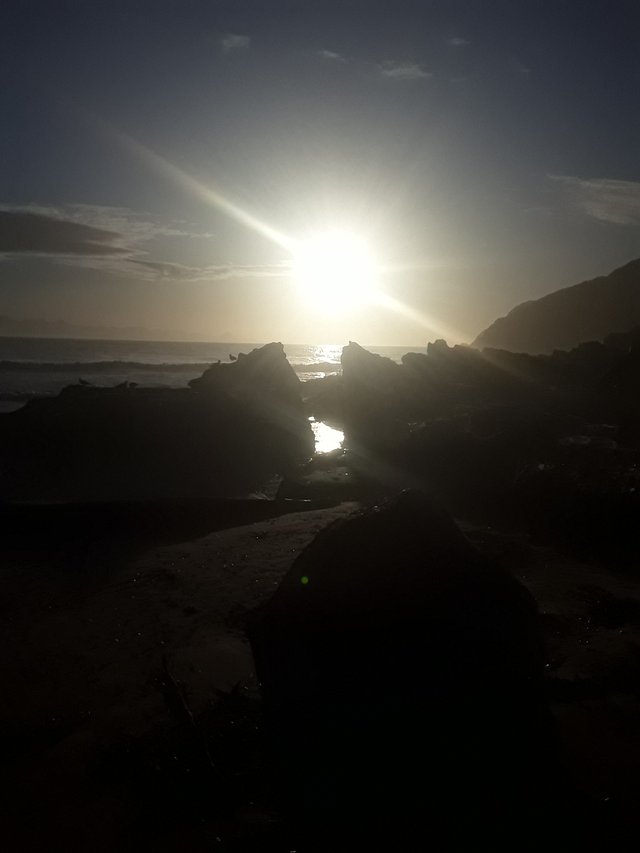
(160,162)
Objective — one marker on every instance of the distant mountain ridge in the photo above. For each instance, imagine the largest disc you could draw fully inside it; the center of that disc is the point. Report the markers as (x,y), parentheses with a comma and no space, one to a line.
(589,311)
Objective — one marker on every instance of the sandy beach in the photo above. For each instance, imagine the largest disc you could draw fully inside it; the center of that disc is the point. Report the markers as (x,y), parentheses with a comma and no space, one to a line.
(83,663)
(108,672)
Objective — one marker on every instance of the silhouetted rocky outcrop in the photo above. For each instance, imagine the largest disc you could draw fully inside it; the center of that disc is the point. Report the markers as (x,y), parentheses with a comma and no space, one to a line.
(542,441)
(374,394)
(401,675)
(238,425)
(263,371)
(383,401)
(566,318)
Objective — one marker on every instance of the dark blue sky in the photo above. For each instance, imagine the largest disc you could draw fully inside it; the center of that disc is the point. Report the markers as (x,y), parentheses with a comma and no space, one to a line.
(487,150)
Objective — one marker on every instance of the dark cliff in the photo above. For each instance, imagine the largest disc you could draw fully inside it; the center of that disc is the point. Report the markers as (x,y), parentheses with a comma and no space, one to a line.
(562,320)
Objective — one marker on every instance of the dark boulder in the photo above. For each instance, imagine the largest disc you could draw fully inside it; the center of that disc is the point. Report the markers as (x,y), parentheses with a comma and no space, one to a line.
(402,679)
(265,370)
(324,399)
(237,426)
(374,397)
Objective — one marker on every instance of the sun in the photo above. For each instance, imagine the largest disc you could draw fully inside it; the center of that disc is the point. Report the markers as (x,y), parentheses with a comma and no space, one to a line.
(335,271)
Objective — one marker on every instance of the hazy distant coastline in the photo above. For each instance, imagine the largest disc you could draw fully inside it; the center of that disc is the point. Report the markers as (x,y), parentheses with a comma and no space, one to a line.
(566,318)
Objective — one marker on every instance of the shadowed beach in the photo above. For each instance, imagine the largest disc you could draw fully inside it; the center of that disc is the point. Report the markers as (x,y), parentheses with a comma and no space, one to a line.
(132,711)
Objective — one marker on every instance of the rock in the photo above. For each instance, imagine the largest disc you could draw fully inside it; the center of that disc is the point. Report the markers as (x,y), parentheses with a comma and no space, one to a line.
(238,425)
(265,371)
(374,397)
(401,675)
(324,399)
(264,382)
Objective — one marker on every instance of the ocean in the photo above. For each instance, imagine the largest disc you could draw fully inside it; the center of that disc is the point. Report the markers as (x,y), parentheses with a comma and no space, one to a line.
(41,367)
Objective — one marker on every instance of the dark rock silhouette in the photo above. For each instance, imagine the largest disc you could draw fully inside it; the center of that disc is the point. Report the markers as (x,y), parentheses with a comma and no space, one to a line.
(401,675)
(548,442)
(324,398)
(265,370)
(384,402)
(566,318)
(374,395)
(238,425)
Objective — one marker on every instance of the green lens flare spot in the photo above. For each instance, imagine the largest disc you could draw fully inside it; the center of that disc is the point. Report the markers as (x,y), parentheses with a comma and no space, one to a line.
(304,580)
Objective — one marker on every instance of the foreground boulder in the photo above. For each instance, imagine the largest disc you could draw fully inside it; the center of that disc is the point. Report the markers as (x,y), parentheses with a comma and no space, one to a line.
(238,425)
(401,674)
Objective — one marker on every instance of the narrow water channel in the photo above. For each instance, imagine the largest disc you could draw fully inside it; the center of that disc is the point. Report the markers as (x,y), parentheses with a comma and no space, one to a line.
(327,438)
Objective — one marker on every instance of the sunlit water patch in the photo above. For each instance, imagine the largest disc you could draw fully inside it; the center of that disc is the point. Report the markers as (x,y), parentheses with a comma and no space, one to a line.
(327,438)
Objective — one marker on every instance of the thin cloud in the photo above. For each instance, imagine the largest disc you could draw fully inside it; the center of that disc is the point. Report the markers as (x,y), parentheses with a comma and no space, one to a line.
(138,227)
(234,41)
(144,268)
(331,56)
(110,239)
(35,233)
(182,272)
(456,41)
(396,70)
(69,228)
(604,199)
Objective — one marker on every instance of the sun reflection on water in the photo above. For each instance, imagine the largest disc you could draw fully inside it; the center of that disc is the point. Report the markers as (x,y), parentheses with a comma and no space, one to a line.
(327,438)
(327,353)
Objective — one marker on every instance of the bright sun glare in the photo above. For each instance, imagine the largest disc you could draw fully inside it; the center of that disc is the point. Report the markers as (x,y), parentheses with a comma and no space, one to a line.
(336,271)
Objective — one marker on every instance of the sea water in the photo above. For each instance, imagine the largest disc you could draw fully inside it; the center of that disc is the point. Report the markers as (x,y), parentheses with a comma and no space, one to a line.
(42,367)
